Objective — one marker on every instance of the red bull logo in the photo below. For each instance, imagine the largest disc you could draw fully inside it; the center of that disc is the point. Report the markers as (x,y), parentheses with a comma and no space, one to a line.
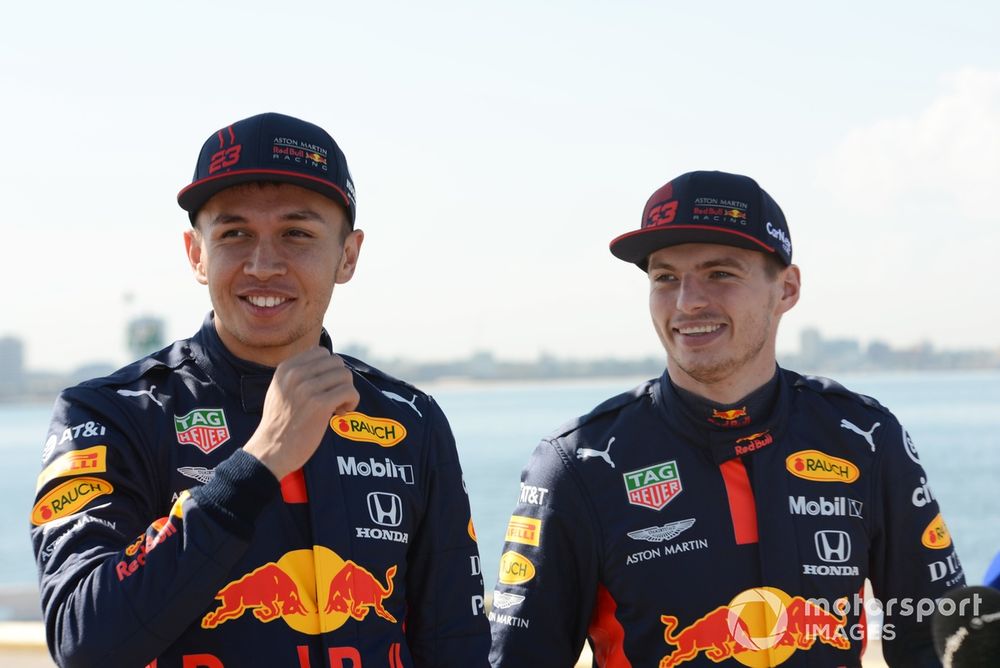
(753,442)
(734,417)
(313,591)
(760,627)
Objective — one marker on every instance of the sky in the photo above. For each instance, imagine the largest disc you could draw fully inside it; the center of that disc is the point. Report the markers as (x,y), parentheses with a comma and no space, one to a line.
(496,150)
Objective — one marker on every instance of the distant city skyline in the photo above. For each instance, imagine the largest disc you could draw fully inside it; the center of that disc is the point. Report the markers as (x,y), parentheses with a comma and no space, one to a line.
(816,354)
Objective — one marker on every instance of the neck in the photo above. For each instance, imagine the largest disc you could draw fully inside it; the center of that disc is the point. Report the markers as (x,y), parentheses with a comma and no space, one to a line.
(727,390)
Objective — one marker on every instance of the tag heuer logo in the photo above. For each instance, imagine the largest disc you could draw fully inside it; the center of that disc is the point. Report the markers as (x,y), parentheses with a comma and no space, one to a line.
(654,486)
(204,428)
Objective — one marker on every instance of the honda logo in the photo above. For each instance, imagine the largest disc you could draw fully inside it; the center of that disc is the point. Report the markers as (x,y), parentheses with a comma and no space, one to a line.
(833,546)
(385,509)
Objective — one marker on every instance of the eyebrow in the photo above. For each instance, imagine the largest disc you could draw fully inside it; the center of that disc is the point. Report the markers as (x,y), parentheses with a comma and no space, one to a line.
(236,219)
(725,261)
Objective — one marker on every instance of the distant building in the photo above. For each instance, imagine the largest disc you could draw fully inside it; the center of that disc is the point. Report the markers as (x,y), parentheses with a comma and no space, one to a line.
(144,335)
(11,365)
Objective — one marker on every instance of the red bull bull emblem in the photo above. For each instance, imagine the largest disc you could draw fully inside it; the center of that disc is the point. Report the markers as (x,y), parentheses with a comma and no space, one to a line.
(287,589)
(734,417)
(761,627)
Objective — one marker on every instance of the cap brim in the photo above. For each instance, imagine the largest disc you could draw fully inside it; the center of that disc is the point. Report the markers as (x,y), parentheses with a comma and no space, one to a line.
(636,246)
(194,196)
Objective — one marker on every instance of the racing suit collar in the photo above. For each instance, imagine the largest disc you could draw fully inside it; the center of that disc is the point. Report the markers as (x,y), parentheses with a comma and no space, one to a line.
(730,433)
(238,377)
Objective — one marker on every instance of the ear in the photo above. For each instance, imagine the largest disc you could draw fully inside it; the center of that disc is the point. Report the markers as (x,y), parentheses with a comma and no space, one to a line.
(349,256)
(192,245)
(791,285)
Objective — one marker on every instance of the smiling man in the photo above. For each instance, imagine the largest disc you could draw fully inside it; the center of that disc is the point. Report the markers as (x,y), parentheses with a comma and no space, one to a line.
(730,511)
(247,497)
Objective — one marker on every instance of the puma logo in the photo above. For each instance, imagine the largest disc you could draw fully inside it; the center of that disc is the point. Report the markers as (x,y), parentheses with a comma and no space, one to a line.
(139,393)
(867,435)
(584,454)
(412,403)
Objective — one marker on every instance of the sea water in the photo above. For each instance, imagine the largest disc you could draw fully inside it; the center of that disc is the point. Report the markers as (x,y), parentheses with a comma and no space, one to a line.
(953,418)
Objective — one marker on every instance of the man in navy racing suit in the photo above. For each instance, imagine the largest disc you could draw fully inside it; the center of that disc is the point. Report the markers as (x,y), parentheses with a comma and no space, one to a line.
(730,511)
(246,497)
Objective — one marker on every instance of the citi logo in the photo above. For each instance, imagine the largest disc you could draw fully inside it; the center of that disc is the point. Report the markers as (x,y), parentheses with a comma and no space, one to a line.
(833,547)
(385,509)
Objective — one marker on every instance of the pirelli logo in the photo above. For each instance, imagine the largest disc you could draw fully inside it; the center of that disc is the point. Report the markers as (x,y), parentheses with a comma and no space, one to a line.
(90,460)
(524,530)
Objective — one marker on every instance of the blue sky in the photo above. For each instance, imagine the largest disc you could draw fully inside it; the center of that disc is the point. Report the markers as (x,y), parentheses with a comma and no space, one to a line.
(497,149)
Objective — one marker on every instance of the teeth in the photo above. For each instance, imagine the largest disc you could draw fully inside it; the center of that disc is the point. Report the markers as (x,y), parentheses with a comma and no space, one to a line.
(266,302)
(701,329)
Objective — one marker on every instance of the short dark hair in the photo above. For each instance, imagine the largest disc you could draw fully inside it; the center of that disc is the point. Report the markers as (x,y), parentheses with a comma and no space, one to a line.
(772,265)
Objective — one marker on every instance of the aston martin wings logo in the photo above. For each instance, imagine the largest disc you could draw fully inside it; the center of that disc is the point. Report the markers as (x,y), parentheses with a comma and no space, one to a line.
(199,473)
(663,533)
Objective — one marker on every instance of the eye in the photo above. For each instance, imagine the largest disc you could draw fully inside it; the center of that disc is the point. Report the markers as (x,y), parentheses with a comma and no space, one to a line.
(664,277)
(298,233)
(232,233)
(719,273)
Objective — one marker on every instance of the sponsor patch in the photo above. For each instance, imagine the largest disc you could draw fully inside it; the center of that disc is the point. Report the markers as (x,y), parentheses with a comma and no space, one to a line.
(820,467)
(734,417)
(204,428)
(89,429)
(659,534)
(515,569)
(654,486)
(70,497)
(837,506)
(949,570)
(373,468)
(76,462)
(753,442)
(503,600)
(922,495)
(524,530)
(936,536)
(356,426)
(533,495)
(312,591)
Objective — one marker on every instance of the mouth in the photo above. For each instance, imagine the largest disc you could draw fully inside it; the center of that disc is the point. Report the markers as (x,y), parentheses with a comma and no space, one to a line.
(265,301)
(698,330)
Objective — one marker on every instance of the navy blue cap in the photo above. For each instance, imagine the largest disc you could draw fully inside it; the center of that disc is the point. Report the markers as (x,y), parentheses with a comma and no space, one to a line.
(710,208)
(270,147)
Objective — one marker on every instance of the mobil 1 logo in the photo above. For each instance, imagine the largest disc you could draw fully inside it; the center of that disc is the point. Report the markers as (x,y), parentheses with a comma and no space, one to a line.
(835,506)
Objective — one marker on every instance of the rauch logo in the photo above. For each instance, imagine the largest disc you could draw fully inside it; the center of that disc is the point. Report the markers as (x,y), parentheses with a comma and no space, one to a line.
(360,427)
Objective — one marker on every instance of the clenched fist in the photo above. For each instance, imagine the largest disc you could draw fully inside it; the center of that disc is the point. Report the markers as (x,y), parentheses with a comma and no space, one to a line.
(307,389)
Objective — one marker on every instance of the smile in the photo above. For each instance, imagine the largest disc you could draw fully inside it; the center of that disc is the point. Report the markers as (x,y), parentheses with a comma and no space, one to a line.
(697,330)
(266,302)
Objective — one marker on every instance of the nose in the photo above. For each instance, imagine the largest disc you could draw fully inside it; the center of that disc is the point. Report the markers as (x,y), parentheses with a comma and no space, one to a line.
(691,296)
(264,261)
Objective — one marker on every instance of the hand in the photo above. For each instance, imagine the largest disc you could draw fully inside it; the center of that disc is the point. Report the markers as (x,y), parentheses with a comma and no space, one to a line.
(306,391)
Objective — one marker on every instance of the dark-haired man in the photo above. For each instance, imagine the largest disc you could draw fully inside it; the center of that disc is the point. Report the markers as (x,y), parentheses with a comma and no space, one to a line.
(729,511)
(246,497)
